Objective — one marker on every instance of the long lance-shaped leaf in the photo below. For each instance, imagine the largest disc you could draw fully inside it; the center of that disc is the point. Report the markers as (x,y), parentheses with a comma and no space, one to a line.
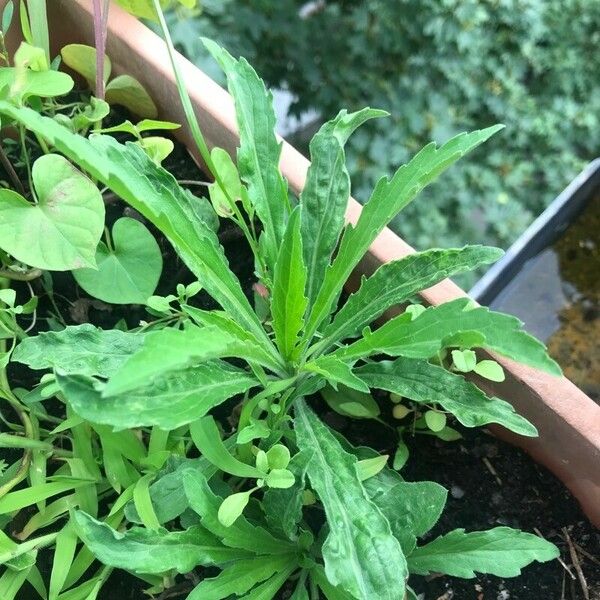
(501,551)
(80,349)
(172,401)
(258,154)
(288,303)
(148,551)
(396,281)
(426,383)
(389,197)
(325,195)
(131,174)
(361,554)
(241,534)
(242,576)
(169,349)
(425,335)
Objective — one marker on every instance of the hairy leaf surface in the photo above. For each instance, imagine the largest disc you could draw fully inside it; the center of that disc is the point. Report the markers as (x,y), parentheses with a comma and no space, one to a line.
(174,400)
(423,382)
(424,336)
(501,551)
(389,197)
(325,195)
(361,554)
(79,349)
(397,281)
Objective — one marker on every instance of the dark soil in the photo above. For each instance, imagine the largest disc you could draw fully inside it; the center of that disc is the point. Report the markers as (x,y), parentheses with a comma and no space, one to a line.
(490,482)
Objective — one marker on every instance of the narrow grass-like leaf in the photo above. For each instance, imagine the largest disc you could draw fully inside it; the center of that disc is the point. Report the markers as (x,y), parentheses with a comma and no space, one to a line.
(289,303)
(325,195)
(501,551)
(258,154)
(424,336)
(361,554)
(389,197)
(396,281)
(80,349)
(426,383)
(14,501)
(64,551)
(146,551)
(174,400)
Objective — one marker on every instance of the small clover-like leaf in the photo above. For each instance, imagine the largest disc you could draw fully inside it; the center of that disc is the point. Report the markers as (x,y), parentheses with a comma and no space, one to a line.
(490,369)
(278,457)
(232,507)
(280,478)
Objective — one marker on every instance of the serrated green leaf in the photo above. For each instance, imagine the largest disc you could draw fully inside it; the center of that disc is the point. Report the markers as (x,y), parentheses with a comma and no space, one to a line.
(207,439)
(241,577)
(396,281)
(170,350)
(127,273)
(242,534)
(424,336)
(81,349)
(501,551)
(389,197)
(288,302)
(146,551)
(360,552)
(174,400)
(326,192)
(426,383)
(62,230)
(147,187)
(259,150)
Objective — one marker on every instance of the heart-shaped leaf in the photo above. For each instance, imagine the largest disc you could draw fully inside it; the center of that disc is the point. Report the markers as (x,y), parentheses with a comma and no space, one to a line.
(130,93)
(127,273)
(62,230)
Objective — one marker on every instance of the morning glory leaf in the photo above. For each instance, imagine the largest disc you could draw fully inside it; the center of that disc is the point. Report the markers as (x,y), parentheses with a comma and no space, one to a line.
(127,273)
(62,230)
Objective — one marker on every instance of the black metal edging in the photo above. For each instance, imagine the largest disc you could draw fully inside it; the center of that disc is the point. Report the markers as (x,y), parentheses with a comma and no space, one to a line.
(541,233)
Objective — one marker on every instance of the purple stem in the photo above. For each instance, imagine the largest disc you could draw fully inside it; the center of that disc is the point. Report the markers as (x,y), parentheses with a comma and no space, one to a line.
(100,21)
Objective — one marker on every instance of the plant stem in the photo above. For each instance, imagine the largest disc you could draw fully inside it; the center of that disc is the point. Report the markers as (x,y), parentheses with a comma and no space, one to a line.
(100,43)
(21,276)
(25,154)
(10,170)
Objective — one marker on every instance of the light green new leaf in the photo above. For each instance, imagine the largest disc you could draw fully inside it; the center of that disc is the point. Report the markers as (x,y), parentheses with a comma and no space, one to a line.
(170,402)
(325,195)
(336,371)
(501,551)
(396,281)
(268,590)
(80,349)
(361,554)
(169,349)
(232,508)
(130,93)
(146,551)
(241,577)
(424,336)
(127,273)
(242,534)
(389,197)
(25,83)
(131,174)
(207,439)
(288,303)
(351,403)
(62,230)
(230,178)
(82,59)
(258,154)
(423,382)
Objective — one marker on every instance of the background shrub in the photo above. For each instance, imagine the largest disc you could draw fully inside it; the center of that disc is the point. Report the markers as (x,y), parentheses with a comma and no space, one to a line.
(439,67)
